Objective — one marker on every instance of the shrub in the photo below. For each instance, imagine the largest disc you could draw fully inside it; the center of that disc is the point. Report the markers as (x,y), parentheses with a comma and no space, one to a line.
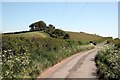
(108,61)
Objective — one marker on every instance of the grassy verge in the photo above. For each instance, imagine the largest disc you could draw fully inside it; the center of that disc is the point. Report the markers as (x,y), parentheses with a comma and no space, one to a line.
(108,62)
(26,56)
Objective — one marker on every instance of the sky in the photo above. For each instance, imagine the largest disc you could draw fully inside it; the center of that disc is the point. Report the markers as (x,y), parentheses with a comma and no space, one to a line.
(99,18)
(58,0)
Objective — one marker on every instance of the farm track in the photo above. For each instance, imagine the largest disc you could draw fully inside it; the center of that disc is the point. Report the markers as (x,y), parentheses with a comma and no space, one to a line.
(80,65)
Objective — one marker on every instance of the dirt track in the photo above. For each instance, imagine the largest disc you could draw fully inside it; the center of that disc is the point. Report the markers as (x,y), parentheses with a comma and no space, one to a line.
(81,65)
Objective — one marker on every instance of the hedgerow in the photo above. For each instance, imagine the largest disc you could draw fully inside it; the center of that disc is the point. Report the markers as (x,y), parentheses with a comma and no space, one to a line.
(108,62)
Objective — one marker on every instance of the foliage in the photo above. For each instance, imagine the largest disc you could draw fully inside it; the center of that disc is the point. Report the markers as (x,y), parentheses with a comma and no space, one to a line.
(108,62)
(51,26)
(116,41)
(26,55)
(40,25)
(50,29)
(109,37)
(57,33)
(85,37)
(66,36)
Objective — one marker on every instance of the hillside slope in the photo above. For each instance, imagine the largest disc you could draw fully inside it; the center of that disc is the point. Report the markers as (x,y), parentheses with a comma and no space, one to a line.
(29,34)
(85,37)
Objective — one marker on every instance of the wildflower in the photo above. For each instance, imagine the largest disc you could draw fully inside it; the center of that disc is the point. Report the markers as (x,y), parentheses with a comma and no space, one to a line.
(5,51)
(9,50)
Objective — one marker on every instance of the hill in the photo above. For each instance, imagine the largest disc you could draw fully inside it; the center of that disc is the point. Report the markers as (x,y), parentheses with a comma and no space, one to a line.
(33,34)
(76,36)
(85,37)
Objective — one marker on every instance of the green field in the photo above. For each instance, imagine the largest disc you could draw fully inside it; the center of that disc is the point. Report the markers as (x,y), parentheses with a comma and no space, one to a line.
(82,36)
(85,37)
(30,34)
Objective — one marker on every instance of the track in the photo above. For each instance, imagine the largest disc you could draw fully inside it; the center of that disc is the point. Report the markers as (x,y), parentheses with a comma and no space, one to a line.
(81,65)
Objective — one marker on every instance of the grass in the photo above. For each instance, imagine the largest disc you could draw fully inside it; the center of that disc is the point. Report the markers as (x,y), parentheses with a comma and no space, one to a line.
(32,34)
(82,36)
(85,37)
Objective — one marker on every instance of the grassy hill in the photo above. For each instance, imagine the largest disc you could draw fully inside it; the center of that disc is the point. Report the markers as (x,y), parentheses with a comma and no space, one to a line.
(82,36)
(29,34)
(85,37)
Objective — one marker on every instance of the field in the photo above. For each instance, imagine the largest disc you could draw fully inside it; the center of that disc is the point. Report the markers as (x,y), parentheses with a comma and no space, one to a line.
(85,37)
(31,34)
(26,55)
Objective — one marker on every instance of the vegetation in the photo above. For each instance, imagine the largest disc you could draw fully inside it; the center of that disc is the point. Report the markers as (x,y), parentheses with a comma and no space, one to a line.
(85,37)
(116,42)
(40,25)
(50,29)
(108,62)
(26,55)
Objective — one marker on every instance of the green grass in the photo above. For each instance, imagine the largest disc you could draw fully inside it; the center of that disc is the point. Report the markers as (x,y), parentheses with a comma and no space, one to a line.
(116,42)
(85,37)
(32,34)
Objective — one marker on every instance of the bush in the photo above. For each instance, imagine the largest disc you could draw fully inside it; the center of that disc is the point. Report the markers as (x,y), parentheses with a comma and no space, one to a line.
(57,33)
(108,61)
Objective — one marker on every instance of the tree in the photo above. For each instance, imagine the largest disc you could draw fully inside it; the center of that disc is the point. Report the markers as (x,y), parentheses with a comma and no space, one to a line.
(66,36)
(57,33)
(116,39)
(110,37)
(51,26)
(40,25)
(31,27)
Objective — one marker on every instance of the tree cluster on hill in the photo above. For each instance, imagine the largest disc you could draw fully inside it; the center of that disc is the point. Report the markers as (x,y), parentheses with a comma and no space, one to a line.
(50,29)
(40,25)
